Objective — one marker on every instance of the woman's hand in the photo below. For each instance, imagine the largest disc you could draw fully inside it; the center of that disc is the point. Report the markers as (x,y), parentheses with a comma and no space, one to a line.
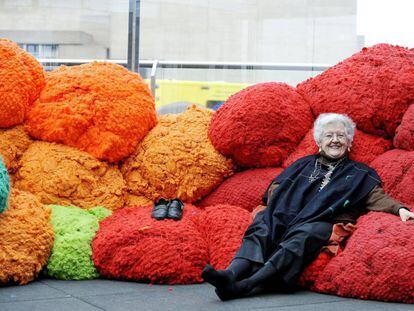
(405,214)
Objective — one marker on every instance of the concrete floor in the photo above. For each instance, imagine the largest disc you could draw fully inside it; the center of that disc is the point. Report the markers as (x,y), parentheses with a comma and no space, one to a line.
(48,294)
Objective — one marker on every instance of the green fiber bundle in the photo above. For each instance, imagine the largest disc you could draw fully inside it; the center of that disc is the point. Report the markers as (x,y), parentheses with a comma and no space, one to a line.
(4,186)
(74,228)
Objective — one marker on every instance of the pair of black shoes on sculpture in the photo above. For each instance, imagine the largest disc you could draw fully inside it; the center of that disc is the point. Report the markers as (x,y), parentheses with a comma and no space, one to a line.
(168,209)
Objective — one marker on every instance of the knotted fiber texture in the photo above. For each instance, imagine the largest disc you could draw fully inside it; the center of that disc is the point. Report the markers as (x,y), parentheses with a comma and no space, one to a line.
(396,169)
(260,125)
(374,87)
(176,160)
(26,238)
(377,262)
(244,189)
(133,246)
(101,108)
(71,257)
(223,227)
(21,80)
(404,136)
(62,175)
(13,143)
(365,148)
(4,186)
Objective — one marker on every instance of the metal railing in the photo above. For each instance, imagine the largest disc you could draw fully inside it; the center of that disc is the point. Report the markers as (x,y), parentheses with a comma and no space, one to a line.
(155,64)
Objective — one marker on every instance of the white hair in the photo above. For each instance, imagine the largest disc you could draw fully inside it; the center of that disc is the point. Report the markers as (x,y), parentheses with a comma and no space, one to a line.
(328,118)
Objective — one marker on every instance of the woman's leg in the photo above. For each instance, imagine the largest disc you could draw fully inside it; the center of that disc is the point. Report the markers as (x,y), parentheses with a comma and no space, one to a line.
(238,268)
(300,246)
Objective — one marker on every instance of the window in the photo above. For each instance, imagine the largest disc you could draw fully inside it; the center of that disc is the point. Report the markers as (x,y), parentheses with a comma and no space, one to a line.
(41,50)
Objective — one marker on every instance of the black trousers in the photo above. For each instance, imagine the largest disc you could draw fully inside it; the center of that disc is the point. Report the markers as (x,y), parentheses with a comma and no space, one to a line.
(300,246)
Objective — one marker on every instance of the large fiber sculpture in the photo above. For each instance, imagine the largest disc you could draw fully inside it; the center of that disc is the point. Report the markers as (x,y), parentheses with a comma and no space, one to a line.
(62,175)
(101,108)
(396,169)
(133,246)
(260,125)
(4,186)
(176,160)
(26,238)
(223,227)
(71,257)
(404,136)
(13,143)
(377,262)
(21,80)
(365,148)
(244,189)
(374,87)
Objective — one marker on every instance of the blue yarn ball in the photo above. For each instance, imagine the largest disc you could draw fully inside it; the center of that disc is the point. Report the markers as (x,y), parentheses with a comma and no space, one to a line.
(4,186)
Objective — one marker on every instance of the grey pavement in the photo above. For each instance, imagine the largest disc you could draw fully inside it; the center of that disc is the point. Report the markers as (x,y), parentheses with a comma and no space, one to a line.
(49,294)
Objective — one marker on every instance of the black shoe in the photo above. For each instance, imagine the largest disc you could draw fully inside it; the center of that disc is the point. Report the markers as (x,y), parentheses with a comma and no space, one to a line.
(175,209)
(160,209)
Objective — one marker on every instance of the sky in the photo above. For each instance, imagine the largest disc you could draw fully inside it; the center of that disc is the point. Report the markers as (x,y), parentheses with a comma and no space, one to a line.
(386,21)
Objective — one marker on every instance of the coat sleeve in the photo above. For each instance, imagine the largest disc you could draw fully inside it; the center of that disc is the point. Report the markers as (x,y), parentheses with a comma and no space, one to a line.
(379,201)
(268,193)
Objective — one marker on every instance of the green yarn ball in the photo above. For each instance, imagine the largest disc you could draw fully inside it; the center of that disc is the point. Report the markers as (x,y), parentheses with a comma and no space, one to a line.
(71,257)
(4,186)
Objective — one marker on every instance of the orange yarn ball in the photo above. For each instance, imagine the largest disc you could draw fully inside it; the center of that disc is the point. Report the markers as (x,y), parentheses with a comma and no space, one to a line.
(100,108)
(21,80)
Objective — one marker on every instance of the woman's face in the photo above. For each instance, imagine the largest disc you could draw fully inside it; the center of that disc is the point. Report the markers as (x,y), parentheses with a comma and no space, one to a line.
(334,143)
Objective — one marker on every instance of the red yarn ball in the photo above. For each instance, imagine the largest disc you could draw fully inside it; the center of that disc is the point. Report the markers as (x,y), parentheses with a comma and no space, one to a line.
(377,262)
(396,169)
(244,189)
(260,125)
(365,148)
(404,136)
(133,246)
(223,227)
(374,87)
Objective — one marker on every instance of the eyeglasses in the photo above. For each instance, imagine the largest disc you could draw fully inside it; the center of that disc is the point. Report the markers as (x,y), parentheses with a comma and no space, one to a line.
(331,136)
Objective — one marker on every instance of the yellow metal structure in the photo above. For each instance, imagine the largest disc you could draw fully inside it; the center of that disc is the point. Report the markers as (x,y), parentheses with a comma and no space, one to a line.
(207,94)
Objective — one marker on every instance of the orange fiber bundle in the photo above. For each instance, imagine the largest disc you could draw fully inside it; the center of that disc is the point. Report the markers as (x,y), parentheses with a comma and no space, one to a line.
(21,80)
(62,175)
(365,148)
(100,108)
(13,143)
(176,160)
(26,238)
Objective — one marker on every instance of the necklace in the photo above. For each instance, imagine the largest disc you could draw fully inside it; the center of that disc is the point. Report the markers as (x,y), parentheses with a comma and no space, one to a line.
(327,177)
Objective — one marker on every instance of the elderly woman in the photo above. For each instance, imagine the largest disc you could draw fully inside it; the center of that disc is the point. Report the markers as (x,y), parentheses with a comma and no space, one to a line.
(303,204)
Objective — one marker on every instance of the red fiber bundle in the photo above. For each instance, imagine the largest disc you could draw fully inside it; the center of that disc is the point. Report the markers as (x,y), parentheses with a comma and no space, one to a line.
(374,87)
(377,262)
(260,125)
(223,227)
(365,148)
(244,189)
(396,169)
(404,136)
(133,246)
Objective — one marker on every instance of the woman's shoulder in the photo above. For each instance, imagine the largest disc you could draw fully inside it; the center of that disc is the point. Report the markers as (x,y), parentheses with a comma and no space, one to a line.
(362,167)
(303,160)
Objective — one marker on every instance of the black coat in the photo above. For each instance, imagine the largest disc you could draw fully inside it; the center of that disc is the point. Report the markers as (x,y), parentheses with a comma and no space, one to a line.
(297,201)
